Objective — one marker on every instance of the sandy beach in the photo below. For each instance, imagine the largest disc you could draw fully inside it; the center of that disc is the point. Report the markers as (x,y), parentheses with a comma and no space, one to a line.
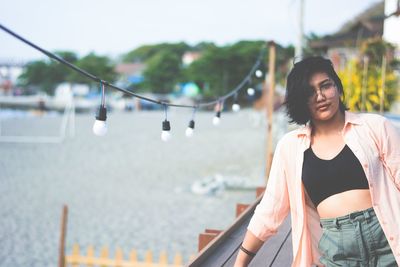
(127,189)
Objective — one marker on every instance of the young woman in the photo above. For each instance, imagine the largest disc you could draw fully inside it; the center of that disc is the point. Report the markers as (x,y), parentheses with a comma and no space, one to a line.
(338,175)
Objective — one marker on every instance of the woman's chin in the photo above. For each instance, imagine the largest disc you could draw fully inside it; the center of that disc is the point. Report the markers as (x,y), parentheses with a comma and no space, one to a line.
(324,115)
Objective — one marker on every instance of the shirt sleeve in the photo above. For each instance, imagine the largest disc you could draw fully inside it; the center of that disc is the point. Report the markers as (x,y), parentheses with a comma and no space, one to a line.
(390,151)
(274,206)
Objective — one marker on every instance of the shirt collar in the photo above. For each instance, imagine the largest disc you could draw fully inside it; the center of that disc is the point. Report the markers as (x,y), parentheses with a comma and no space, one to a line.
(349,118)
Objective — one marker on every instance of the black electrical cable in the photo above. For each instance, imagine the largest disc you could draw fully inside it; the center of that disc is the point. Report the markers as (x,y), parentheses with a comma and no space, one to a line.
(97,79)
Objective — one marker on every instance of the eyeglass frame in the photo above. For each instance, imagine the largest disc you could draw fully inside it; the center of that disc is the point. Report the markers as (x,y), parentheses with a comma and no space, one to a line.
(322,91)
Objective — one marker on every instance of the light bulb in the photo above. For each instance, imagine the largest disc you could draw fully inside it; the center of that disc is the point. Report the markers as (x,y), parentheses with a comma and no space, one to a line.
(216,121)
(258,73)
(100,125)
(166,128)
(217,118)
(235,107)
(100,128)
(165,136)
(190,129)
(189,132)
(250,91)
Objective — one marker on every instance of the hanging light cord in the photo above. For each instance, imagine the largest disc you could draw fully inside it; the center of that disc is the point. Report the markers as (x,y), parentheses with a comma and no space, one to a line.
(103,94)
(194,112)
(166,112)
(105,83)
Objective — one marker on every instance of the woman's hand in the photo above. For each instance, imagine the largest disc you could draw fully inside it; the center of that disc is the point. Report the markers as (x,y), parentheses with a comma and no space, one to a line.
(251,244)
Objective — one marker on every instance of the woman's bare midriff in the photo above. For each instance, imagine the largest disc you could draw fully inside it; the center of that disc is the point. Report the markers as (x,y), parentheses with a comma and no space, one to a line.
(344,203)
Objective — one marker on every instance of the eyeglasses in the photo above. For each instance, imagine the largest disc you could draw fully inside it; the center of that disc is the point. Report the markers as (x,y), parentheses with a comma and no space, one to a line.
(326,89)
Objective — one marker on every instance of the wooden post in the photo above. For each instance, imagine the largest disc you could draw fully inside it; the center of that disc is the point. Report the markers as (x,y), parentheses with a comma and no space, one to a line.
(270,106)
(382,100)
(61,252)
(240,208)
(259,191)
(133,256)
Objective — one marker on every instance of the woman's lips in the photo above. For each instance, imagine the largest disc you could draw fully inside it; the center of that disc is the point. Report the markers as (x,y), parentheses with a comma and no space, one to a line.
(322,107)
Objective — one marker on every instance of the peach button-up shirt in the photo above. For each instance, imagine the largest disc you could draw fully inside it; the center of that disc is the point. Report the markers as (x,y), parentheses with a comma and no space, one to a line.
(375,142)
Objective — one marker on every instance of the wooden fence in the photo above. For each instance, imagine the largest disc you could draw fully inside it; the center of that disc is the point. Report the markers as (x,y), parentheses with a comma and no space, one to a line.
(104,260)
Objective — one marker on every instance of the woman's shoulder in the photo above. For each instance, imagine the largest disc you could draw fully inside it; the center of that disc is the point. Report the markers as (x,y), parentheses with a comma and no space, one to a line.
(292,138)
(371,119)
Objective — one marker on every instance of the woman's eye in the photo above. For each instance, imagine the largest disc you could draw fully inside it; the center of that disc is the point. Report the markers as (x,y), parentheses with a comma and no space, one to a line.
(326,86)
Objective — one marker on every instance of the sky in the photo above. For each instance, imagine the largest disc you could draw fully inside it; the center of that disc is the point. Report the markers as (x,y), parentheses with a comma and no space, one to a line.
(116,27)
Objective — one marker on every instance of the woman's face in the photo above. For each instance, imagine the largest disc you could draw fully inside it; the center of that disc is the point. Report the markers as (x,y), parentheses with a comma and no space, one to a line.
(324,100)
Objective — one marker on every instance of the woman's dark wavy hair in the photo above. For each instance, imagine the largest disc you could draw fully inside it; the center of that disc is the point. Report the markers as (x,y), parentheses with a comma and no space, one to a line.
(298,88)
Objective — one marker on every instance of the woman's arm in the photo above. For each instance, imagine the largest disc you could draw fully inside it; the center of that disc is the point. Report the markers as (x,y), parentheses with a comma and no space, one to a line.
(270,212)
(390,152)
(250,244)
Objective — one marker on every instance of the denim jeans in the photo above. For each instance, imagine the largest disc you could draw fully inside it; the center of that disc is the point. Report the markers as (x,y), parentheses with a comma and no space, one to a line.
(356,239)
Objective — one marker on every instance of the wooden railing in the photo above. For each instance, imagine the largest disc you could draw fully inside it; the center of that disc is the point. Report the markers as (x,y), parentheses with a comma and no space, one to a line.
(76,259)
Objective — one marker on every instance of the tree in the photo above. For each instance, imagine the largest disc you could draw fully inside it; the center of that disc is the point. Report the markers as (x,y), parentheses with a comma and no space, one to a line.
(146,52)
(46,74)
(162,72)
(99,66)
(220,69)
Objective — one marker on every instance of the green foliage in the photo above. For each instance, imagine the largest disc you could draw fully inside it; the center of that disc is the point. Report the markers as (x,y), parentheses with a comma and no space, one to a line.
(146,52)
(164,67)
(162,72)
(99,66)
(46,74)
(216,72)
(220,69)
(352,79)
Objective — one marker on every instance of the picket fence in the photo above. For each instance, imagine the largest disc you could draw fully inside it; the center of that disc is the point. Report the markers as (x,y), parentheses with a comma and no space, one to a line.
(104,259)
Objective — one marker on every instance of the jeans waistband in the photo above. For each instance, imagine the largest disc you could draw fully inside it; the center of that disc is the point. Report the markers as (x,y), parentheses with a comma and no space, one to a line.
(364,215)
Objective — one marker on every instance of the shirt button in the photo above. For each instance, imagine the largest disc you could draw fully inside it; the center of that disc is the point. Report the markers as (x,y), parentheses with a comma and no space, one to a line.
(365,165)
(370,185)
(391,238)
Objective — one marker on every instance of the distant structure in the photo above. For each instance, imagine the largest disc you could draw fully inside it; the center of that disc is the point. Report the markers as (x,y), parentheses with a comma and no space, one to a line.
(130,73)
(189,57)
(345,43)
(9,71)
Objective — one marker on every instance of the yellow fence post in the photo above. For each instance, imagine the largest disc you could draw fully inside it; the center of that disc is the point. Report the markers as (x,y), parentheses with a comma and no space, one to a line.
(119,257)
(90,256)
(133,256)
(148,258)
(75,255)
(178,259)
(163,258)
(104,256)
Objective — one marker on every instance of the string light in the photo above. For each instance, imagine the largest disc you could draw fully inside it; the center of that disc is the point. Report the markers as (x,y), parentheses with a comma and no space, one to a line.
(258,73)
(235,106)
(217,118)
(190,129)
(166,127)
(100,125)
(251,91)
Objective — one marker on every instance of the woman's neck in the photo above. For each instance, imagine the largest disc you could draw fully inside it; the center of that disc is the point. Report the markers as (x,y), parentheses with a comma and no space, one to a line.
(332,126)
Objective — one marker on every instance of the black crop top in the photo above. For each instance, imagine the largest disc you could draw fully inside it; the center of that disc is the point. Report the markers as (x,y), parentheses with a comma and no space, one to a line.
(324,178)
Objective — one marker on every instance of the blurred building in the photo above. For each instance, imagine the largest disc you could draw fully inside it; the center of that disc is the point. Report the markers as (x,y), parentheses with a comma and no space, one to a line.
(345,43)
(9,72)
(189,57)
(130,73)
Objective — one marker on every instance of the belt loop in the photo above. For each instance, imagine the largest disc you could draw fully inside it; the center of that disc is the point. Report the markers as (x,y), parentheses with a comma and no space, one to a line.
(336,222)
(367,216)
